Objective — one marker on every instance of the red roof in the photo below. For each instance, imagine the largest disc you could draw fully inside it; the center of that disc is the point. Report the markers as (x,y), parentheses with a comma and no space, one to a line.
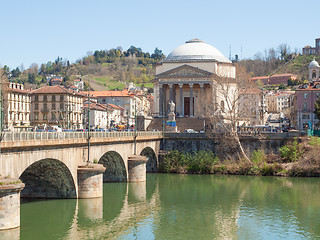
(57,89)
(262,77)
(124,93)
(96,106)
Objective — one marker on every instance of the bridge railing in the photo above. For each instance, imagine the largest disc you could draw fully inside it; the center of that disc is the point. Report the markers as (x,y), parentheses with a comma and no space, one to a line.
(27,136)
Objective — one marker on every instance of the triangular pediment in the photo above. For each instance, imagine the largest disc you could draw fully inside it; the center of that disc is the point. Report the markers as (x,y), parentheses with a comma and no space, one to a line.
(185,71)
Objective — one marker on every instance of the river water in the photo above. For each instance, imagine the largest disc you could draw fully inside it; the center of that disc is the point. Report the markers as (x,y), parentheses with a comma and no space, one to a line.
(182,207)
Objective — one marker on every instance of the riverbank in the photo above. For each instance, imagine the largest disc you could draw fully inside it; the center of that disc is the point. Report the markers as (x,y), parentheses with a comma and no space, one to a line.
(296,159)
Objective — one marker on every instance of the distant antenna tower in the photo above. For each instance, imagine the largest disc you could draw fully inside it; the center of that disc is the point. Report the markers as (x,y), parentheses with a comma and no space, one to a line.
(230,53)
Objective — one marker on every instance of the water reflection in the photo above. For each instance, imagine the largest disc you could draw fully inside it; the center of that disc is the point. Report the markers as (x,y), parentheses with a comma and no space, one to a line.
(46,219)
(183,207)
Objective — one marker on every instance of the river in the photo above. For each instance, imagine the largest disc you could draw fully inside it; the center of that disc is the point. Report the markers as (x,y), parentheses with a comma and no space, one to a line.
(182,207)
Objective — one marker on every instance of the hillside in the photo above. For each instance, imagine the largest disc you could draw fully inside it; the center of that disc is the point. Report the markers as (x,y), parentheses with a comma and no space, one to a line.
(105,70)
(113,69)
(294,64)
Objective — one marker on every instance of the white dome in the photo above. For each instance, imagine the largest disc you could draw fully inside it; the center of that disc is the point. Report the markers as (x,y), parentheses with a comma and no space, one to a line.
(196,49)
(314,63)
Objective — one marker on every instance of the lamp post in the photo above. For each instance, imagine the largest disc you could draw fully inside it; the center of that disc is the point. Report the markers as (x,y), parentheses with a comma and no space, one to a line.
(1,112)
(135,125)
(88,160)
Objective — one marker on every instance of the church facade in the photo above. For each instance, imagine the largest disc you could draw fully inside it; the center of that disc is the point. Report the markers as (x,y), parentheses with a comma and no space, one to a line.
(190,76)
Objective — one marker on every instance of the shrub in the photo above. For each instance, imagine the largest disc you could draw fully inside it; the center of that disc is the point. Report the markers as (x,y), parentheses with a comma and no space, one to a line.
(314,141)
(201,162)
(291,152)
(258,156)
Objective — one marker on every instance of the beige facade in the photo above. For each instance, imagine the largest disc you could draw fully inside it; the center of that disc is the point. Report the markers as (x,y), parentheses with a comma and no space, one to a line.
(17,108)
(253,106)
(56,106)
(197,78)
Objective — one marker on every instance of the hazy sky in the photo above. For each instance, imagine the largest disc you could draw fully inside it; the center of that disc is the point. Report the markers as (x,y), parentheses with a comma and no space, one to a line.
(37,31)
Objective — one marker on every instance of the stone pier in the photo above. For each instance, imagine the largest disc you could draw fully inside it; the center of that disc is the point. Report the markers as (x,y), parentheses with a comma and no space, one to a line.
(137,168)
(10,203)
(90,181)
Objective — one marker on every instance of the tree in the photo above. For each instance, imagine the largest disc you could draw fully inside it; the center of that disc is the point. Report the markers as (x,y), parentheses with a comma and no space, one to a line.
(317,109)
(225,113)
(16,72)
(157,54)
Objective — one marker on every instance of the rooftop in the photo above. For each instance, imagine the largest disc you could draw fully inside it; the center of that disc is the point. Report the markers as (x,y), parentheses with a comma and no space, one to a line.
(57,89)
(124,93)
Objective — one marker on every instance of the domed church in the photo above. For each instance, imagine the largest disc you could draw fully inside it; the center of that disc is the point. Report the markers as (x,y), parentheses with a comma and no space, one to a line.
(188,77)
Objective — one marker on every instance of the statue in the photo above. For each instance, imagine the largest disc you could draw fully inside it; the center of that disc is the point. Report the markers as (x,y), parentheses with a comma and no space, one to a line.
(171,106)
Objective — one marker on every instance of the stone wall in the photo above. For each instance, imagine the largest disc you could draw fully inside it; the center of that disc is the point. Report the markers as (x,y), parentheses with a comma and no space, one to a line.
(190,142)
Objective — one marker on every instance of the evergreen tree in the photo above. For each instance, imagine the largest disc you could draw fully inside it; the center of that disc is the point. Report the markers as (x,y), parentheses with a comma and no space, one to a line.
(317,109)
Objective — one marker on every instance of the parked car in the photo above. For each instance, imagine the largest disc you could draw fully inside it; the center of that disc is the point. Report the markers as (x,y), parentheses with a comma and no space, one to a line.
(190,131)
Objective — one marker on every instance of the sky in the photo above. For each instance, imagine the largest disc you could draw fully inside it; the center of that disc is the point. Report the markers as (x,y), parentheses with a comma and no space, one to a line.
(38,31)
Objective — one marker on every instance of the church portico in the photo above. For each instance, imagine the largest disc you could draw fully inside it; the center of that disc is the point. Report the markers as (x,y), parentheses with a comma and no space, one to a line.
(188,97)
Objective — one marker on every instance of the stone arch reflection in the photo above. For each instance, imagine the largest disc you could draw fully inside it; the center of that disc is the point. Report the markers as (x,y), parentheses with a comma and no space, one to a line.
(115,168)
(152,164)
(49,219)
(48,178)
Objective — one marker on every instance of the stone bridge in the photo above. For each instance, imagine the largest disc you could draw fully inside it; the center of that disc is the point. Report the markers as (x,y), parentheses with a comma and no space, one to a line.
(48,162)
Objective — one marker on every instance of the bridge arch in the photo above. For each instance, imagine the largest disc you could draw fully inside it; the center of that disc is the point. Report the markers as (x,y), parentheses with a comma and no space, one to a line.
(48,178)
(152,164)
(115,167)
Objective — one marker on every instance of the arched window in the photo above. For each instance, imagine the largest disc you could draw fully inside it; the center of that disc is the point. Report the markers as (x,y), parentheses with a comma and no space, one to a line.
(314,74)
(305,105)
(222,105)
(53,116)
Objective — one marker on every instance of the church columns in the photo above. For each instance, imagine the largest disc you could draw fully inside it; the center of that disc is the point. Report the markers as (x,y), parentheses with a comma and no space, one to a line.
(191,99)
(181,110)
(162,99)
(202,102)
(170,92)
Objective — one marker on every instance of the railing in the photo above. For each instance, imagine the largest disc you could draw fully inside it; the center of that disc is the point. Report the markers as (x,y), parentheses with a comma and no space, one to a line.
(27,136)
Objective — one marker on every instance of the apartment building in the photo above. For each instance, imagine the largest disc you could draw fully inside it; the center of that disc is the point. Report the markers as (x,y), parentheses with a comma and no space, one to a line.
(17,103)
(308,50)
(56,106)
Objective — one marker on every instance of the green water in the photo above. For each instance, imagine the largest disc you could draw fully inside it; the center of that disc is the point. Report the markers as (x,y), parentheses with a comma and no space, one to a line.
(183,207)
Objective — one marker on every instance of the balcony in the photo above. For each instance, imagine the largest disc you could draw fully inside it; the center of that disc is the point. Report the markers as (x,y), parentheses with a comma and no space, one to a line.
(45,110)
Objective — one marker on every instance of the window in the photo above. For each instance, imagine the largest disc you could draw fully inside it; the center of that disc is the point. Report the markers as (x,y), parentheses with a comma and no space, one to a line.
(36,106)
(45,106)
(53,116)
(103,100)
(53,98)
(306,95)
(36,116)
(305,116)
(53,107)
(222,106)
(45,98)
(305,105)
(60,116)
(44,116)
(61,98)
(36,98)
(61,106)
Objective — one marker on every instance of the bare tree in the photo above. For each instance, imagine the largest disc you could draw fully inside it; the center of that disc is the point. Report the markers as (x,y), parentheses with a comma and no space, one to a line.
(225,112)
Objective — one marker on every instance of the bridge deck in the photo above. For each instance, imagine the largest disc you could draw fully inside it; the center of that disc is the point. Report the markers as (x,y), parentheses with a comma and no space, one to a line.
(49,139)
